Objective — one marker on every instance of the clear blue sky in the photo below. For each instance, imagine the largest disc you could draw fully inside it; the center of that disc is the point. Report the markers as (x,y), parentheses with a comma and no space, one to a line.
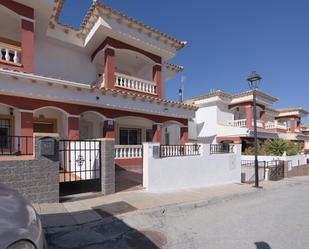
(226,41)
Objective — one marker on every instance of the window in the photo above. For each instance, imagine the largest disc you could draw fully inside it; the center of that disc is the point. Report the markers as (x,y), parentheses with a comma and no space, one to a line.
(149,135)
(5,132)
(44,125)
(130,136)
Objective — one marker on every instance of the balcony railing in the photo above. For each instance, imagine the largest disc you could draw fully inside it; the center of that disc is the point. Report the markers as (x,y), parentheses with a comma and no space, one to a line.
(238,123)
(180,150)
(221,148)
(243,123)
(135,84)
(16,145)
(275,125)
(128,151)
(10,54)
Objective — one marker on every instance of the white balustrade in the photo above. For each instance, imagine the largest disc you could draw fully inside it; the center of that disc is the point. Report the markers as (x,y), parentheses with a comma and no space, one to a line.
(180,150)
(9,53)
(136,84)
(275,125)
(238,123)
(259,123)
(128,151)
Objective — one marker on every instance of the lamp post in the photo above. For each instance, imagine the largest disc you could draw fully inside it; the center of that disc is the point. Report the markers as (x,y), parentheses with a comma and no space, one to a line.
(253,81)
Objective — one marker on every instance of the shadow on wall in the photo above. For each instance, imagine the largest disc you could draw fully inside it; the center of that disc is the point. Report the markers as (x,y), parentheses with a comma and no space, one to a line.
(262,245)
(104,231)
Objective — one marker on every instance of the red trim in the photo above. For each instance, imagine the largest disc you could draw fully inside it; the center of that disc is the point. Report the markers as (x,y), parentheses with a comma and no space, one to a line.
(248,103)
(27,45)
(26,129)
(121,45)
(235,140)
(156,137)
(75,109)
(157,77)
(73,128)
(108,131)
(18,8)
(109,68)
(249,115)
(184,135)
(289,116)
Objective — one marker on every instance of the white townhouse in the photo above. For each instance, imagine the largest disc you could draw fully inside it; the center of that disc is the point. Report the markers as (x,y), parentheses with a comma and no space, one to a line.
(223,117)
(105,79)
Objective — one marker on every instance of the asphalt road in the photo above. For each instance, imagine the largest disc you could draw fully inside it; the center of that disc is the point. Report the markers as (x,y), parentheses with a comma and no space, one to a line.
(274,219)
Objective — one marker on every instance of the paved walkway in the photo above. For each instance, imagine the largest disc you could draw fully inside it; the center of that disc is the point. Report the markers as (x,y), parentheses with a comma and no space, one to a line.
(94,209)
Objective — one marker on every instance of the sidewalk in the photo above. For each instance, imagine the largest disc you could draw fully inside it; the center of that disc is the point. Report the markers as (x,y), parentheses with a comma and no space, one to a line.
(124,203)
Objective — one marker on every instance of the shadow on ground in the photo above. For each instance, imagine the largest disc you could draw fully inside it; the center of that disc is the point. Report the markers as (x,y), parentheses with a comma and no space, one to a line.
(128,180)
(262,245)
(103,233)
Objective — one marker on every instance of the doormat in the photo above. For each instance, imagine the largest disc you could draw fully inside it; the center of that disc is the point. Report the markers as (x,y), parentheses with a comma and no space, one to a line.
(114,208)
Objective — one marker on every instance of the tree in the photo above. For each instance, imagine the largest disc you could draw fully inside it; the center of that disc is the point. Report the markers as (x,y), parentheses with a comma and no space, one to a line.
(275,147)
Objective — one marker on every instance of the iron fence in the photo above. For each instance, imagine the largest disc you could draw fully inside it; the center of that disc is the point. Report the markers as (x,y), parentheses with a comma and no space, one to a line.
(16,145)
(221,148)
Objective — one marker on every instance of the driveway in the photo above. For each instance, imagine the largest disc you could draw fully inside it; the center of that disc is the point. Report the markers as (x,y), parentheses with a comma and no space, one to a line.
(277,218)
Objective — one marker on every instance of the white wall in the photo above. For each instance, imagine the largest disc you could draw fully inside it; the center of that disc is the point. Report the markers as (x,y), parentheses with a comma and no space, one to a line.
(62,61)
(206,123)
(172,173)
(224,114)
(91,125)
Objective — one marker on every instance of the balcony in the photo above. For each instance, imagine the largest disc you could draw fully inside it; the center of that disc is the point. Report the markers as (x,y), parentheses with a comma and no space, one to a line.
(10,54)
(276,125)
(243,123)
(238,123)
(128,151)
(135,84)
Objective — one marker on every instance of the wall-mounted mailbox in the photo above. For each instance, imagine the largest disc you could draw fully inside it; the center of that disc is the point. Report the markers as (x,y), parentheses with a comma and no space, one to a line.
(47,146)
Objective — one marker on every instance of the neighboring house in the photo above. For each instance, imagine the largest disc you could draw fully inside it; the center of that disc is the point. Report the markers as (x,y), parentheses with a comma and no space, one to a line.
(223,117)
(105,79)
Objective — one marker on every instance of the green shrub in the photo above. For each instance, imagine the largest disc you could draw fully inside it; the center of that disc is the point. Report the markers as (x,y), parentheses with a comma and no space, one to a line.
(276,147)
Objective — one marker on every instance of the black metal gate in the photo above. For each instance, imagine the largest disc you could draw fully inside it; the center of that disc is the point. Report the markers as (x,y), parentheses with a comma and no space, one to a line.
(276,170)
(80,166)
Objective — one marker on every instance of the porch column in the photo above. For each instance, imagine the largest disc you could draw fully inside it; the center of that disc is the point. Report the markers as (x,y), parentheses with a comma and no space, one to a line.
(26,133)
(109,68)
(27,45)
(156,130)
(157,78)
(109,129)
(73,127)
(292,125)
(184,135)
(263,117)
(249,115)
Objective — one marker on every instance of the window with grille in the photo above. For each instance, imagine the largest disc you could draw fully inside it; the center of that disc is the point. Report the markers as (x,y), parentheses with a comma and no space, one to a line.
(5,132)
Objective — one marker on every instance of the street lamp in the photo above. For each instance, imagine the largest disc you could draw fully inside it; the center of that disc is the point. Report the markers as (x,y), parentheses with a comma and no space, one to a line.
(253,80)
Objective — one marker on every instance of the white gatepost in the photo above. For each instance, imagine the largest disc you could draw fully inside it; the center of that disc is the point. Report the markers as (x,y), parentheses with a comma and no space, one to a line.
(149,149)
